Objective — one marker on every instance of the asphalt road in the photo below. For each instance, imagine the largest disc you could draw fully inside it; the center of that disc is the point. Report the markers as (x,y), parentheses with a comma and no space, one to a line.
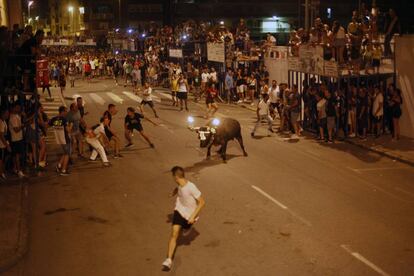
(289,208)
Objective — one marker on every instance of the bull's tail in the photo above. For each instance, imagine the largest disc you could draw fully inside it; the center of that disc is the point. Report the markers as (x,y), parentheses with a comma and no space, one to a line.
(240,140)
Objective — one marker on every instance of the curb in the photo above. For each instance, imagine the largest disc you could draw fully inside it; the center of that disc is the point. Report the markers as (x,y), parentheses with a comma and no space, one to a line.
(396,157)
(23,232)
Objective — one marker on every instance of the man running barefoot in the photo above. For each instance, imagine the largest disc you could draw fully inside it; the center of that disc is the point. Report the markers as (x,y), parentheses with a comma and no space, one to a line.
(187,207)
(133,121)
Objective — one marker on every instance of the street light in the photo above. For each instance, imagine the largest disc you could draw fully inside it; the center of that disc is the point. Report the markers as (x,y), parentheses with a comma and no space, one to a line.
(82,10)
(70,10)
(37,18)
(29,4)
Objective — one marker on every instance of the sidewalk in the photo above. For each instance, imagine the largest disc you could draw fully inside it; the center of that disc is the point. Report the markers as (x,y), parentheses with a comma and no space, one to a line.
(13,222)
(14,206)
(401,150)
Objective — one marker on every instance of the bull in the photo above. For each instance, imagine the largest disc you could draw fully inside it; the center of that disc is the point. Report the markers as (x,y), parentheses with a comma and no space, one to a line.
(219,133)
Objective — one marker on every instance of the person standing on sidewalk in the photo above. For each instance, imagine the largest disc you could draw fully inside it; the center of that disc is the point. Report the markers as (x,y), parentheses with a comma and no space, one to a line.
(263,114)
(378,111)
(294,102)
(17,142)
(62,134)
(229,85)
(4,144)
(188,205)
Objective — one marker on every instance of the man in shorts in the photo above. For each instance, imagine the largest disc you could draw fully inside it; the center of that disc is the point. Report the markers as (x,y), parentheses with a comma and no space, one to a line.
(62,134)
(16,135)
(188,205)
(133,121)
(109,132)
(147,99)
(294,108)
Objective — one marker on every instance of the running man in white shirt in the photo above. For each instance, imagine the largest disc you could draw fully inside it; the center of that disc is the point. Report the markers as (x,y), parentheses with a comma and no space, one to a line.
(147,99)
(263,114)
(187,207)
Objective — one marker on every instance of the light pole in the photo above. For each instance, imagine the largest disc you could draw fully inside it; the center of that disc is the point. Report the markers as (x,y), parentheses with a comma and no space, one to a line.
(29,4)
(70,10)
(119,13)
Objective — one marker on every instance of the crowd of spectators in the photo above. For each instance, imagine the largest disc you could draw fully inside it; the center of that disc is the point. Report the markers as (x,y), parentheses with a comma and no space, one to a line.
(358,45)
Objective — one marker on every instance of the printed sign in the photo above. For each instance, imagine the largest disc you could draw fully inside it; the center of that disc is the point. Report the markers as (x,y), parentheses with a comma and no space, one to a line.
(42,73)
(215,52)
(176,53)
(331,69)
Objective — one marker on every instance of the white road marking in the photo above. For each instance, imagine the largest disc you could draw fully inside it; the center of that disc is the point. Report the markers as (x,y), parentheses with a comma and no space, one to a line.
(404,191)
(167,128)
(114,97)
(364,260)
(75,96)
(132,96)
(329,164)
(270,197)
(156,99)
(165,95)
(97,99)
(377,169)
(281,205)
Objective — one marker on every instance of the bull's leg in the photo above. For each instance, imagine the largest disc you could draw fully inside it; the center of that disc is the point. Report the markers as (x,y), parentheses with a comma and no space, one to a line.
(209,151)
(240,139)
(223,150)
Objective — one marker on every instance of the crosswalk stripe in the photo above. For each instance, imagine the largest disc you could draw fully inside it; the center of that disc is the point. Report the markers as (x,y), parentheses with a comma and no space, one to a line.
(114,97)
(156,99)
(132,96)
(97,99)
(165,95)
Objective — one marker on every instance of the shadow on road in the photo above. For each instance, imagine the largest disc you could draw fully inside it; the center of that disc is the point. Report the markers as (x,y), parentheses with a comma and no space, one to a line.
(214,161)
(187,238)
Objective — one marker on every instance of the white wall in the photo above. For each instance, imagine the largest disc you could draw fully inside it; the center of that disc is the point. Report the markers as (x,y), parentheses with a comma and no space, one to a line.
(405,81)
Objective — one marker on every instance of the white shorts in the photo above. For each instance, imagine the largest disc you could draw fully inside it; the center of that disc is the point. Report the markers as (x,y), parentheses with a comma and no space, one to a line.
(241,88)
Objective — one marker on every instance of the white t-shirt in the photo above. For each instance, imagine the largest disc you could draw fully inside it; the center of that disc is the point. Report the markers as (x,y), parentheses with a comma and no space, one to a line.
(213,76)
(205,77)
(320,106)
(378,101)
(186,202)
(147,97)
(100,130)
(274,94)
(15,121)
(182,87)
(3,129)
(263,107)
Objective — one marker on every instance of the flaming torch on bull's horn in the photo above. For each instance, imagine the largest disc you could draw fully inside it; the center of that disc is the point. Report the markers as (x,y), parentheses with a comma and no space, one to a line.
(218,132)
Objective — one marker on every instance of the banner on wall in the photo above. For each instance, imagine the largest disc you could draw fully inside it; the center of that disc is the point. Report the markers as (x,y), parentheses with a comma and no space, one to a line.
(176,53)
(215,52)
(42,73)
(331,69)
(294,64)
(311,59)
(278,52)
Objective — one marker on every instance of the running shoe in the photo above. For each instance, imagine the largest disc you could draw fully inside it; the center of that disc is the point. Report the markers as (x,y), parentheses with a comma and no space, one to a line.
(167,264)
